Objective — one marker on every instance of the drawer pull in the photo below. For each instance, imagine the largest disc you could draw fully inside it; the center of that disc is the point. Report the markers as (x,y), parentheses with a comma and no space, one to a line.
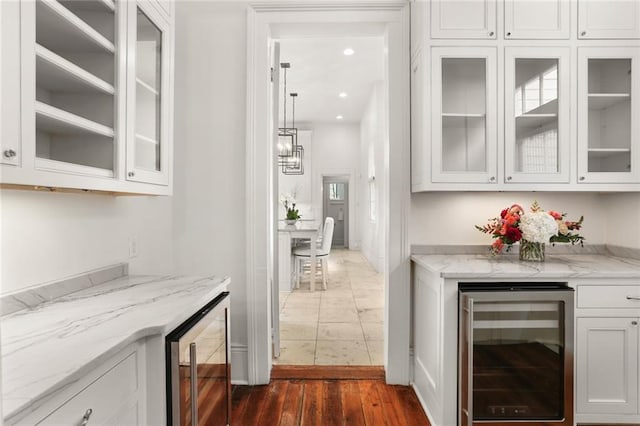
(85,418)
(633,297)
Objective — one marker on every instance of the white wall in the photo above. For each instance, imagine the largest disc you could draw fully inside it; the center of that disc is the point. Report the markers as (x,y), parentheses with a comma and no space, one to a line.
(50,236)
(622,219)
(372,142)
(336,149)
(210,163)
(449,218)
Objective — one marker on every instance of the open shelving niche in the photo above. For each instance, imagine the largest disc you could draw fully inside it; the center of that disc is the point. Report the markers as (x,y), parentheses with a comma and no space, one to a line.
(75,108)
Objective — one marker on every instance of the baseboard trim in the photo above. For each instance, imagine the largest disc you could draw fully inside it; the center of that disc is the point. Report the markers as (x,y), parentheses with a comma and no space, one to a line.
(239,364)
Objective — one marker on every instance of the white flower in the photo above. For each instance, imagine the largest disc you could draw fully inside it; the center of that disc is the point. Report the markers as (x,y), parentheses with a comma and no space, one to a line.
(538,227)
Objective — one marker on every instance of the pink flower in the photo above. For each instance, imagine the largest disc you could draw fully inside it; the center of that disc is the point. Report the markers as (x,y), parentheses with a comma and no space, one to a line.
(555,214)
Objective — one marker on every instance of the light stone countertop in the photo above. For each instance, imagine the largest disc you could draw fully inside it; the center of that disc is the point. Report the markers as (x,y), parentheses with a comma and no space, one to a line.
(481,266)
(52,345)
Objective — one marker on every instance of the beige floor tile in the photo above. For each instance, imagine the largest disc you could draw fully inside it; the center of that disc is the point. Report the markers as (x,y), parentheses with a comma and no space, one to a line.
(366,284)
(340,331)
(283,298)
(296,352)
(298,330)
(347,303)
(376,351)
(341,352)
(303,294)
(303,301)
(373,330)
(299,315)
(369,302)
(371,315)
(338,314)
(338,293)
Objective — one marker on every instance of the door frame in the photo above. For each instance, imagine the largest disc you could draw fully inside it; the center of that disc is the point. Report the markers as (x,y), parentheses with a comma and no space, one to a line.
(346,179)
(262,20)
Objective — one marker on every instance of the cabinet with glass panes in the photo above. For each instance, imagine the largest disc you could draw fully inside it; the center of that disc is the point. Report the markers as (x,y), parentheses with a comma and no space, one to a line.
(608,145)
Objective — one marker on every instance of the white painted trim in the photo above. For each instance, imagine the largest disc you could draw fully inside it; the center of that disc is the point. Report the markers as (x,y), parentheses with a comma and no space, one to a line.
(239,354)
(395,16)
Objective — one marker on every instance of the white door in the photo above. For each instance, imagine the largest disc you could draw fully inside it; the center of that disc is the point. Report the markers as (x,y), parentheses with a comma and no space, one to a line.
(602,19)
(607,365)
(537,124)
(464,104)
(273,234)
(463,19)
(608,131)
(534,19)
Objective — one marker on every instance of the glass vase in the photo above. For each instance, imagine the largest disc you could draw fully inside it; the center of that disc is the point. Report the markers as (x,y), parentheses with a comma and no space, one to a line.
(531,252)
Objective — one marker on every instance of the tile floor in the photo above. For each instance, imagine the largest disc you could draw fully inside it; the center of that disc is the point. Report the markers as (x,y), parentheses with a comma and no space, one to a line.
(342,325)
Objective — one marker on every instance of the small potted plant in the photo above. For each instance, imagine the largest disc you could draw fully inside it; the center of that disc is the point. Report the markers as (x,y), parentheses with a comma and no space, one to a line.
(292,214)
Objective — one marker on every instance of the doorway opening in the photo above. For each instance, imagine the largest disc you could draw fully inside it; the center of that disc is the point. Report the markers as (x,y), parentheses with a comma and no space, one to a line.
(340,105)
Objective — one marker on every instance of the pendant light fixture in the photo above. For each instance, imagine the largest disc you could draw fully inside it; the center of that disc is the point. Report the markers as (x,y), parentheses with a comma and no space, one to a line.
(286,138)
(295,164)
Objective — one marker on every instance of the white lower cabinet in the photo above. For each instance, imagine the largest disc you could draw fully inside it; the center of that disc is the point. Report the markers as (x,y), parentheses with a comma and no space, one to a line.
(113,393)
(607,355)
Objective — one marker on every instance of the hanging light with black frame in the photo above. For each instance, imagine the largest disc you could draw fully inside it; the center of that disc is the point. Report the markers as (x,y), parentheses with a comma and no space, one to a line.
(295,164)
(286,138)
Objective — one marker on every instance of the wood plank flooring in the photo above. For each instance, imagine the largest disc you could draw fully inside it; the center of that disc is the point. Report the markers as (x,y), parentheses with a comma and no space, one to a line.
(326,402)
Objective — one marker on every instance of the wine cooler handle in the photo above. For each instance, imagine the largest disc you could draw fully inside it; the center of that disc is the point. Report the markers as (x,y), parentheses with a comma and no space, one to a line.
(194,383)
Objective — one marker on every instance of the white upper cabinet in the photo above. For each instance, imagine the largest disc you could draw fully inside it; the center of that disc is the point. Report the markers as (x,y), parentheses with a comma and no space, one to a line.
(606,19)
(460,19)
(464,103)
(148,95)
(10,147)
(535,19)
(537,99)
(609,128)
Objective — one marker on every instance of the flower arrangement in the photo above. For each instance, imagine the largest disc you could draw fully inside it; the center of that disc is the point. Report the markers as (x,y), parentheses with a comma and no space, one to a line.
(537,226)
(289,203)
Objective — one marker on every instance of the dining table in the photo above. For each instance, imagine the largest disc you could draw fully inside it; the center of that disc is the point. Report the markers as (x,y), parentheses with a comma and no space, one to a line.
(302,229)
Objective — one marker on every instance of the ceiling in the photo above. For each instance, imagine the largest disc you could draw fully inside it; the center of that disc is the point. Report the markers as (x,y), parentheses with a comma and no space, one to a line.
(320,72)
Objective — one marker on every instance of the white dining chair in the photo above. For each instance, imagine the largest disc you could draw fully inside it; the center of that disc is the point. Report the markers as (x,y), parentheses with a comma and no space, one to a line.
(303,254)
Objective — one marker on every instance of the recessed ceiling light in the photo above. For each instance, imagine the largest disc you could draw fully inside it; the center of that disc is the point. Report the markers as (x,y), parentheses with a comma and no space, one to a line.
(343,94)
(339,117)
(349,51)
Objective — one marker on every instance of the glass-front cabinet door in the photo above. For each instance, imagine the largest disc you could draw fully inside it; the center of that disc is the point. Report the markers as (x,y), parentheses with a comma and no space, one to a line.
(608,124)
(537,141)
(464,115)
(148,105)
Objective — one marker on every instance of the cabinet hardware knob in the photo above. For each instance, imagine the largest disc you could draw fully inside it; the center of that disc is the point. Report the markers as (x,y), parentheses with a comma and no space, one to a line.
(509,178)
(491,34)
(634,322)
(85,418)
(492,178)
(509,34)
(583,33)
(131,174)
(581,177)
(633,297)
(9,153)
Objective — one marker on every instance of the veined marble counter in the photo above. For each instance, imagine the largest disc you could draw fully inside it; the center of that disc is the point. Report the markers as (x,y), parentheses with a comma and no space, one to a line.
(49,346)
(469,266)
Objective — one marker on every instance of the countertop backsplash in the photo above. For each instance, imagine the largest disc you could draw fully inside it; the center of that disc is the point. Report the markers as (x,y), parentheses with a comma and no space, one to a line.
(559,249)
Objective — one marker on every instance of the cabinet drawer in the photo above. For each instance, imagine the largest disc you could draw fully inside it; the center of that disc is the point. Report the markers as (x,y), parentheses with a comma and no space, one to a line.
(609,296)
(105,396)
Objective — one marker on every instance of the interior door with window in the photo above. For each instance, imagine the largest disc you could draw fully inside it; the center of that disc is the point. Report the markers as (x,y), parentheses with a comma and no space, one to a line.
(336,205)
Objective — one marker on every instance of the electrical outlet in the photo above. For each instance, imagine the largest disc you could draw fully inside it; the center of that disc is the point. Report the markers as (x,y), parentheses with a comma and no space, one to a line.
(133,246)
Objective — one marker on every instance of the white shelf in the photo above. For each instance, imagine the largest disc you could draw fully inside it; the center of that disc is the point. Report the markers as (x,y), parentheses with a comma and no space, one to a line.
(599,101)
(90,6)
(57,121)
(461,115)
(60,29)
(53,72)
(76,169)
(532,121)
(146,139)
(457,120)
(146,86)
(550,107)
(607,152)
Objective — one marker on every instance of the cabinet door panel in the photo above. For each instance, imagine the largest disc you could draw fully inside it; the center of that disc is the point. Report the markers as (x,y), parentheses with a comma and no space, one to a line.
(463,19)
(602,19)
(607,365)
(526,19)
(464,115)
(537,126)
(608,91)
(10,146)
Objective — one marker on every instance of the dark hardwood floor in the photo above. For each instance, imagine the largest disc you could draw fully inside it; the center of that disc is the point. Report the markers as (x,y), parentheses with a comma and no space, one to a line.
(300,397)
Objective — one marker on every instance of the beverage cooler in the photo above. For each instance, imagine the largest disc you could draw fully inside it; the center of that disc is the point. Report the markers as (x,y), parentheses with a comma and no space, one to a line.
(198,368)
(515,354)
